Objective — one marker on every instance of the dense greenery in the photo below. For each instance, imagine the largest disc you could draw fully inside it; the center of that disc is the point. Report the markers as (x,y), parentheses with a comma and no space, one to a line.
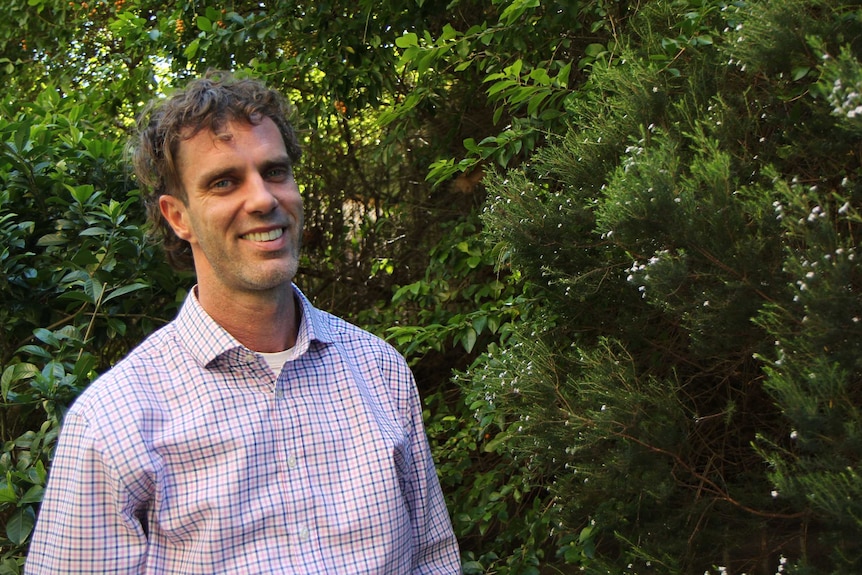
(616,240)
(690,390)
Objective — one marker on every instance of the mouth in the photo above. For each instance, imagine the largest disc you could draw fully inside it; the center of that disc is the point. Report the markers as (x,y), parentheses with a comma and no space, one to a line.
(264,236)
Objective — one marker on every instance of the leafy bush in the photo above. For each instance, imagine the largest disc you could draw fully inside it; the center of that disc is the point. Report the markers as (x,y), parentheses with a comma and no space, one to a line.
(80,285)
(690,391)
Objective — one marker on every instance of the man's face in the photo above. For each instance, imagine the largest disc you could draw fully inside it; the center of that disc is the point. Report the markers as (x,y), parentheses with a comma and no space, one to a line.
(243,212)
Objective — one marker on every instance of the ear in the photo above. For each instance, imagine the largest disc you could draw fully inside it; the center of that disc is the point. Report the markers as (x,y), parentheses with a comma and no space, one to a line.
(175,212)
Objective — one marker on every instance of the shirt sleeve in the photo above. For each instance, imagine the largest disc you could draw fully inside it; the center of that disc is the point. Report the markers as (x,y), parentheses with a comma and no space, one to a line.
(89,521)
(434,540)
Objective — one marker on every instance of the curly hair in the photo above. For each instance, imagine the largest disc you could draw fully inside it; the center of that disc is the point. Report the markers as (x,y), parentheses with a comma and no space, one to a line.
(206,103)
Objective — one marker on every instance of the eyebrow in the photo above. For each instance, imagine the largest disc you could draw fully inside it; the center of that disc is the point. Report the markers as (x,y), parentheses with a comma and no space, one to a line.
(282,162)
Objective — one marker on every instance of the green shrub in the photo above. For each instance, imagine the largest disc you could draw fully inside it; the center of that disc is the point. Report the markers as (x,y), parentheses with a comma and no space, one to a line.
(690,391)
(80,285)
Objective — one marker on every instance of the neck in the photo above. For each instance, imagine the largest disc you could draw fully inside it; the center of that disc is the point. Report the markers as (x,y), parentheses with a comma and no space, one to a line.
(265,321)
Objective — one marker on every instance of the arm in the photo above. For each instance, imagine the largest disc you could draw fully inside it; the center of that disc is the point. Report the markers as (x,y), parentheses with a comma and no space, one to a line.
(89,520)
(434,540)
(437,549)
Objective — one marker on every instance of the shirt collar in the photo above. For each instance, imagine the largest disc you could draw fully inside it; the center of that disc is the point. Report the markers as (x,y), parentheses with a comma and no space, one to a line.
(206,340)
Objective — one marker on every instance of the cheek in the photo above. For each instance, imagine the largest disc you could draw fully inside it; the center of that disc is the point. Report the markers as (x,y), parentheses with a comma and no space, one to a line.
(294,206)
(300,213)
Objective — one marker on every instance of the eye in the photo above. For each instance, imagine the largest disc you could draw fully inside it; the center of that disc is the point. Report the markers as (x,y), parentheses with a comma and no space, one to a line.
(278,174)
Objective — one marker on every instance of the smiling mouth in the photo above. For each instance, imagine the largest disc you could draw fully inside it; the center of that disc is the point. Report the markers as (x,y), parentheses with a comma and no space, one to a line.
(264,236)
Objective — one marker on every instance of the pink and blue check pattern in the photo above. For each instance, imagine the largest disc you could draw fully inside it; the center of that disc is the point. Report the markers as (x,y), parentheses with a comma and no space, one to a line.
(192,457)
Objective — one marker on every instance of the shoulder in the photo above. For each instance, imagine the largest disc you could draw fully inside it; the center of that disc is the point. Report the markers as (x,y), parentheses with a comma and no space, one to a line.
(128,386)
(384,370)
(362,343)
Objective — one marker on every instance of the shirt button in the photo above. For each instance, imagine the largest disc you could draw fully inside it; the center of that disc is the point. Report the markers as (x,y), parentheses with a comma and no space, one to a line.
(250,358)
(291,462)
(303,534)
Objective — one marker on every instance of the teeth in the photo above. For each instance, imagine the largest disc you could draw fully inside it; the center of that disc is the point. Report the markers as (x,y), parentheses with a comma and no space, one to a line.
(265,237)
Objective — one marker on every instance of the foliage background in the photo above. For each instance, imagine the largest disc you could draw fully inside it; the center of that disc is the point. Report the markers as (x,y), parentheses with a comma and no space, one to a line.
(616,240)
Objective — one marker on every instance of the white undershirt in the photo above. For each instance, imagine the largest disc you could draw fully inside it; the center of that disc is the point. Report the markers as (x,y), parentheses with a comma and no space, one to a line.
(277,360)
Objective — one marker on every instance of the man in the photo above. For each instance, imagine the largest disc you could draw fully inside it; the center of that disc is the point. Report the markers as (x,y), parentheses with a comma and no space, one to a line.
(254,433)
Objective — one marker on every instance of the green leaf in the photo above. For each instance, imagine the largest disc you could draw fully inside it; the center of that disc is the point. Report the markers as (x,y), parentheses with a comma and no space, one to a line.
(121,291)
(204,24)
(22,136)
(52,240)
(498,112)
(800,72)
(563,75)
(81,193)
(593,50)
(514,10)
(495,443)
(448,33)
(427,61)
(35,350)
(407,40)
(514,71)
(46,336)
(94,231)
(7,490)
(40,472)
(33,495)
(500,86)
(74,296)
(192,48)
(468,340)
(536,101)
(13,373)
(540,76)
(479,323)
(20,525)
(94,289)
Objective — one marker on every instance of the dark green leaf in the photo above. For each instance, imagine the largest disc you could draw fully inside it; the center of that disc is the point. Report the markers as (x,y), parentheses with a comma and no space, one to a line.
(20,525)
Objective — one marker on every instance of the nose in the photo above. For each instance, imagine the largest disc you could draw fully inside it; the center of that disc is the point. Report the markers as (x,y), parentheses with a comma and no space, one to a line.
(259,199)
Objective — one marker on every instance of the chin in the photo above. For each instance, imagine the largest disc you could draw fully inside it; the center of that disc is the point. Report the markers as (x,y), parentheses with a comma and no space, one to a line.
(275,280)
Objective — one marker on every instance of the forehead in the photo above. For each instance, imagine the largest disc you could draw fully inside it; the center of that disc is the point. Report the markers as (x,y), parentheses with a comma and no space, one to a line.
(233,140)
(227,131)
